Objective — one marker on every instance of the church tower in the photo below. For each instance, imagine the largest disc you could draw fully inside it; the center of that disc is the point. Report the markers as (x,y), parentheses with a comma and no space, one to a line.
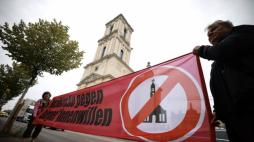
(112,57)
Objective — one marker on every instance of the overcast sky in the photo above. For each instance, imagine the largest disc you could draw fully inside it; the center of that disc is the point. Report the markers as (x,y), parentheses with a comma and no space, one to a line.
(163,30)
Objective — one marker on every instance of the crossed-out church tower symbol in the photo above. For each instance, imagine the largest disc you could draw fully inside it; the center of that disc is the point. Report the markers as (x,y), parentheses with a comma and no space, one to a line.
(159,112)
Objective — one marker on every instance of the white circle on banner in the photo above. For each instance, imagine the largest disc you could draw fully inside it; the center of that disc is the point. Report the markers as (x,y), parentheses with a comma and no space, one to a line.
(175,103)
(178,109)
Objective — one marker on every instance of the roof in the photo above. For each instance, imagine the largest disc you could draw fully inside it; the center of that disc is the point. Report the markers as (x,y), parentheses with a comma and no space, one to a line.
(120,15)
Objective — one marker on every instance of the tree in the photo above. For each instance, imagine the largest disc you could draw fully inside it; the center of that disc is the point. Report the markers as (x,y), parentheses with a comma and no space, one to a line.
(13,78)
(41,47)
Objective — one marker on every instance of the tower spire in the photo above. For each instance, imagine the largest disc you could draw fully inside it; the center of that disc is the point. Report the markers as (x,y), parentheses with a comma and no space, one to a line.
(112,57)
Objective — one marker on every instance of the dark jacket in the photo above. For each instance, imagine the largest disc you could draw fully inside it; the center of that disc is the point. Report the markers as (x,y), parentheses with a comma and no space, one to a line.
(232,75)
(222,100)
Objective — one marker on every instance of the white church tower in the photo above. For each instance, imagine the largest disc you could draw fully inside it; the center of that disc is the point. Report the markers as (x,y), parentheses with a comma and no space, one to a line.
(112,57)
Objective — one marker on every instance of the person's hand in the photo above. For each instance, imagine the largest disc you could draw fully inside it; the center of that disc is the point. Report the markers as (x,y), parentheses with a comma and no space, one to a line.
(195,50)
(214,118)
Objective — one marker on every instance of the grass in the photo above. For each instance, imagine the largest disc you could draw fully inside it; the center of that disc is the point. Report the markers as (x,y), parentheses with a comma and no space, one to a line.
(4,135)
(18,133)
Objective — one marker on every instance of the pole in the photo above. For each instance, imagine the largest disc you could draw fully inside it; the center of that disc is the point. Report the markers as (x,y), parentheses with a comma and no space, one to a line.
(14,118)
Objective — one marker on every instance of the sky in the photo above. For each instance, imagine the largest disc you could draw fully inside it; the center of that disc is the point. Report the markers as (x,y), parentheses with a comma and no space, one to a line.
(163,30)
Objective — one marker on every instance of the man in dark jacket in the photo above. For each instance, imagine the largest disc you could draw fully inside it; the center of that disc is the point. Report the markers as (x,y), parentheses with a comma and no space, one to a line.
(232,77)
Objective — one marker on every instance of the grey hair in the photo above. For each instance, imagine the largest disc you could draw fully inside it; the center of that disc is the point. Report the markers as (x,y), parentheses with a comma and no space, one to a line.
(228,24)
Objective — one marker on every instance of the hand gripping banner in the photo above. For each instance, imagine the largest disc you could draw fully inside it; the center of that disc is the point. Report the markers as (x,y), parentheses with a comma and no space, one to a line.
(165,102)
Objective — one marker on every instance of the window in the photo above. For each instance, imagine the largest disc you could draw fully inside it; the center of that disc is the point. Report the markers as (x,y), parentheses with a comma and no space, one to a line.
(124,33)
(96,68)
(103,51)
(29,110)
(121,54)
(111,29)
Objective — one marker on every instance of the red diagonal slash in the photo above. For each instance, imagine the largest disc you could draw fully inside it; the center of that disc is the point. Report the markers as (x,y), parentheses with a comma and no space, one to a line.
(154,101)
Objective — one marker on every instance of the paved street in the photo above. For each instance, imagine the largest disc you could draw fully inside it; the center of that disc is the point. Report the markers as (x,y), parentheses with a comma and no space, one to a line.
(221,135)
(48,135)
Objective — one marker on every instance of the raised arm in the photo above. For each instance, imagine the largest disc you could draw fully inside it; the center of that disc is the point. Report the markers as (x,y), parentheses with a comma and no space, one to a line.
(238,43)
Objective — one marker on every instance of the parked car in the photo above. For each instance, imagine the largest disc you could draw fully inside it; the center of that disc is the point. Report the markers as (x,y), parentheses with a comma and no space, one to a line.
(4,114)
(26,111)
(53,128)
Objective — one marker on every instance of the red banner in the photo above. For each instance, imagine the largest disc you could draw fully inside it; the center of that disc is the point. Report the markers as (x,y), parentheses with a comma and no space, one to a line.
(166,102)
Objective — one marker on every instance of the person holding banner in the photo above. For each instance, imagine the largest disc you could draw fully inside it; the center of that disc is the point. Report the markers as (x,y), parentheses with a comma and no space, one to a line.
(232,77)
(40,105)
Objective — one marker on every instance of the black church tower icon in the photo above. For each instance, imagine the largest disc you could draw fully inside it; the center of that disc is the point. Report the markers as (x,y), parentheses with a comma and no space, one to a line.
(159,112)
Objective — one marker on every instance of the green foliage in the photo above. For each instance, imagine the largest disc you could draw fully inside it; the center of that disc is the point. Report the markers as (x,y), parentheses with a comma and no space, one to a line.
(41,47)
(14,78)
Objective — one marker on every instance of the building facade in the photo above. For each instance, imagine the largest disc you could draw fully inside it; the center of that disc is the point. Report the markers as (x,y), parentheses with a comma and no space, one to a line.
(112,57)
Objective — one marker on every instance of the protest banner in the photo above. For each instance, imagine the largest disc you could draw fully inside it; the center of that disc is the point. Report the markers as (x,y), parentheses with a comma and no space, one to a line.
(165,102)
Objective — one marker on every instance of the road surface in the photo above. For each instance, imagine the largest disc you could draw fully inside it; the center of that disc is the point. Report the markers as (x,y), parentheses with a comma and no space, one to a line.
(48,135)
